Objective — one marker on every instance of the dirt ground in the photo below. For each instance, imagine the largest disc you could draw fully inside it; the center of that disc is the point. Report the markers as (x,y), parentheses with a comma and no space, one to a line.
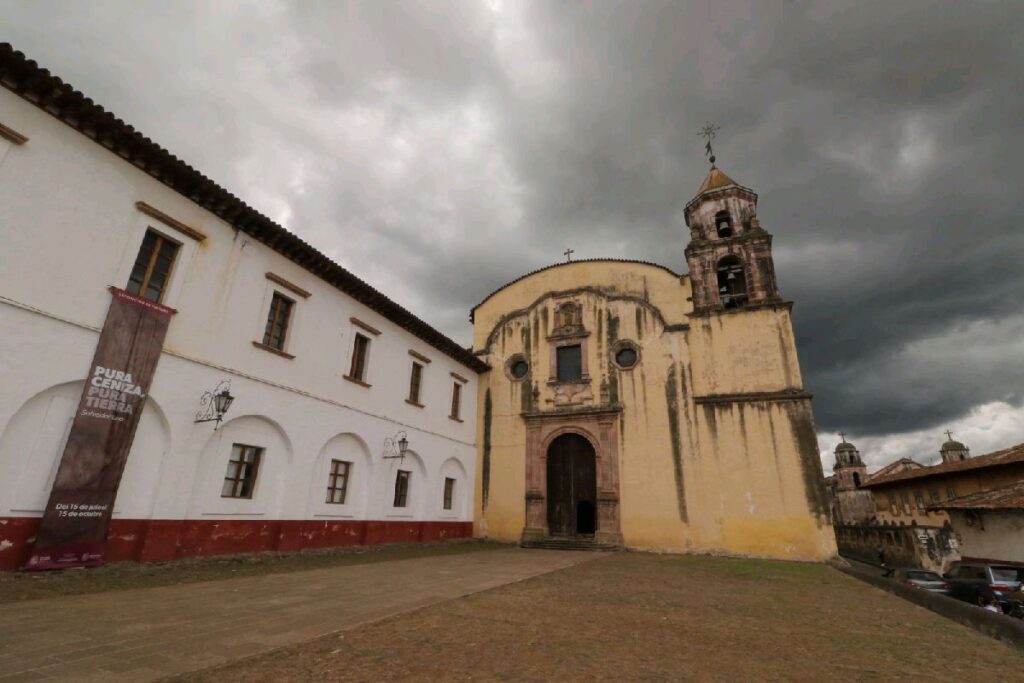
(19,586)
(650,617)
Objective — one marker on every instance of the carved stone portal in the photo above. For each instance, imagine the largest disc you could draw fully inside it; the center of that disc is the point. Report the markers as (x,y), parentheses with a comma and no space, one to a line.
(599,426)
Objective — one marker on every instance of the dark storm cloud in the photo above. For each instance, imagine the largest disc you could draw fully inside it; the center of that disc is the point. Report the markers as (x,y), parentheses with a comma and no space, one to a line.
(441,149)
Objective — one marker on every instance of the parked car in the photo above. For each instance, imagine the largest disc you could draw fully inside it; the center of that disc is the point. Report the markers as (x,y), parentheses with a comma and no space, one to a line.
(970,581)
(921,578)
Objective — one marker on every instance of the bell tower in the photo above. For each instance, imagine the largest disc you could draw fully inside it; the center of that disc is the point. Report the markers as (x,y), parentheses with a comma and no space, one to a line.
(729,256)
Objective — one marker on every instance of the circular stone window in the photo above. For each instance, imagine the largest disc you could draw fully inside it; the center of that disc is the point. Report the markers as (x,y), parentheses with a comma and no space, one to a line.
(626,355)
(518,367)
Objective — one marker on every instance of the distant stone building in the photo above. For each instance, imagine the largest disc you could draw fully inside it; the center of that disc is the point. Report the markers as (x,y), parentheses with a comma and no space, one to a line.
(990,524)
(640,407)
(914,495)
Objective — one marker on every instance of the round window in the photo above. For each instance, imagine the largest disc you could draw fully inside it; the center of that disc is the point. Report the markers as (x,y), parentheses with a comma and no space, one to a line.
(519,369)
(626,357)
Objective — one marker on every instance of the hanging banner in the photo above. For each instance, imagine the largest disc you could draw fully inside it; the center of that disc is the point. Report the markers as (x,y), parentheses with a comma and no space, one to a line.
(73,531)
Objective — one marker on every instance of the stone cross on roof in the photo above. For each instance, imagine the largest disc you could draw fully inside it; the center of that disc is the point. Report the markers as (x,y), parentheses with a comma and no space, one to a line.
(568,254)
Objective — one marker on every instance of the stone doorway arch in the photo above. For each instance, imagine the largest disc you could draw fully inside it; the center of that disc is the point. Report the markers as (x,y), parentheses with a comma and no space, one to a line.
(599,429)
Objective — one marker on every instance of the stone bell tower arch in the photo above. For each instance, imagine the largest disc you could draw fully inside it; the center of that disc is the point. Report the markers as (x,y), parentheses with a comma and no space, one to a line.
(729,255)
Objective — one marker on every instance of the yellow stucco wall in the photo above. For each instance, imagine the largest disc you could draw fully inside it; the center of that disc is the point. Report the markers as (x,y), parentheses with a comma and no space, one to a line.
(698,470)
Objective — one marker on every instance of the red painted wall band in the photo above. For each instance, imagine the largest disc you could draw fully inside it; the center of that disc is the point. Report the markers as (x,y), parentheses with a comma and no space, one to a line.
(160,540)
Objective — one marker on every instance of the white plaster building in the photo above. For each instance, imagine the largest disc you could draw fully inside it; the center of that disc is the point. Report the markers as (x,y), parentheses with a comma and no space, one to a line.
(79,191)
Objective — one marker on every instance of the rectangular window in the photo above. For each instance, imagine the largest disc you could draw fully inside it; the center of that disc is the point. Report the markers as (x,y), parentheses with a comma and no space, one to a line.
(337,481)
(919,500)
(402,488)
(936,496)
(893,505)
(449,492)
(414,383)
(950,492)
(152,267)
(456,400)
(277,321)
(240,479)
(905,497)
(360,354)
(570,363)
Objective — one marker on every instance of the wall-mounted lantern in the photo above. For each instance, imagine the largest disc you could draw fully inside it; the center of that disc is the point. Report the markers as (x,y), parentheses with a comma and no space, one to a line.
(214,404)
(396,446)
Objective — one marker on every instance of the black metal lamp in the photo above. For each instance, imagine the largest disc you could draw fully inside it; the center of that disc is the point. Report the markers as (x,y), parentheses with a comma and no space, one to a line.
(214,404)
(396,446)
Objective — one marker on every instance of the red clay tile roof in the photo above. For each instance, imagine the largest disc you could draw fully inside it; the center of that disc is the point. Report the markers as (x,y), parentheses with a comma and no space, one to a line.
(27,79)
(895,465)
(1006,498)
(1007,456)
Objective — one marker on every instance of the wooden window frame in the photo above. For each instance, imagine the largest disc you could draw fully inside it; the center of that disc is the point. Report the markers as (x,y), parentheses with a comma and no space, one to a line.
(449,493)
(161,239)
(456,401)
(415,384)
(272,314)
(333,475)
(360,359)
(402,484)
(237,481)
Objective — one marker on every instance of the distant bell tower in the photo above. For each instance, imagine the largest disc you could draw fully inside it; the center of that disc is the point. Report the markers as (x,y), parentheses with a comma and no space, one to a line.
(849,468)
(851,504)
(953,451)
(729,255)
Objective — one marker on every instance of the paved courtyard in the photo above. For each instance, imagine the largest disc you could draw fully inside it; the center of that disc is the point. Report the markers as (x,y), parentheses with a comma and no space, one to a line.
(148,633)
(641,617)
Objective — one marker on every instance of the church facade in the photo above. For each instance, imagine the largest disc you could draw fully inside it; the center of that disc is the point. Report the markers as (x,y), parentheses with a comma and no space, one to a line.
(638,407)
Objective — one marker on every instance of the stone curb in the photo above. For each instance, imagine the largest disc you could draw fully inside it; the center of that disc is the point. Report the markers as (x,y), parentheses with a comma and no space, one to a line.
(998,626)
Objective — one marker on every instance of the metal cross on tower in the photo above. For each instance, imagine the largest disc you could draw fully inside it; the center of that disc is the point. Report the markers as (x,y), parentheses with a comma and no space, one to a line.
(568,254)
(708,133)
(949,435)
(842,435)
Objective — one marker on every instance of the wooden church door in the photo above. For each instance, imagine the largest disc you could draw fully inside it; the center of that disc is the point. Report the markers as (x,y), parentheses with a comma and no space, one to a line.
(572,486)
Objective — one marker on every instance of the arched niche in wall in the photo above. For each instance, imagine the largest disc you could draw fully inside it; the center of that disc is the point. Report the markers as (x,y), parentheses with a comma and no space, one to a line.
(451,469)
(419,486)
(344,448)
(235,439)
(33,442)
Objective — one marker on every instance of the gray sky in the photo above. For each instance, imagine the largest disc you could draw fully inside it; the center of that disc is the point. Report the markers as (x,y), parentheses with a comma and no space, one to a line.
(440,149)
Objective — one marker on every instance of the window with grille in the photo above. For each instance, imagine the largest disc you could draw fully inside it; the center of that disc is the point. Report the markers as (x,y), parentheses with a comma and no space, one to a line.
(337,481)
(244,465)
(732,282)
(449,492)
(360,354)
(277,321)
(415,378)
(456,400)
(152,269)
(402,488)
(570,363)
